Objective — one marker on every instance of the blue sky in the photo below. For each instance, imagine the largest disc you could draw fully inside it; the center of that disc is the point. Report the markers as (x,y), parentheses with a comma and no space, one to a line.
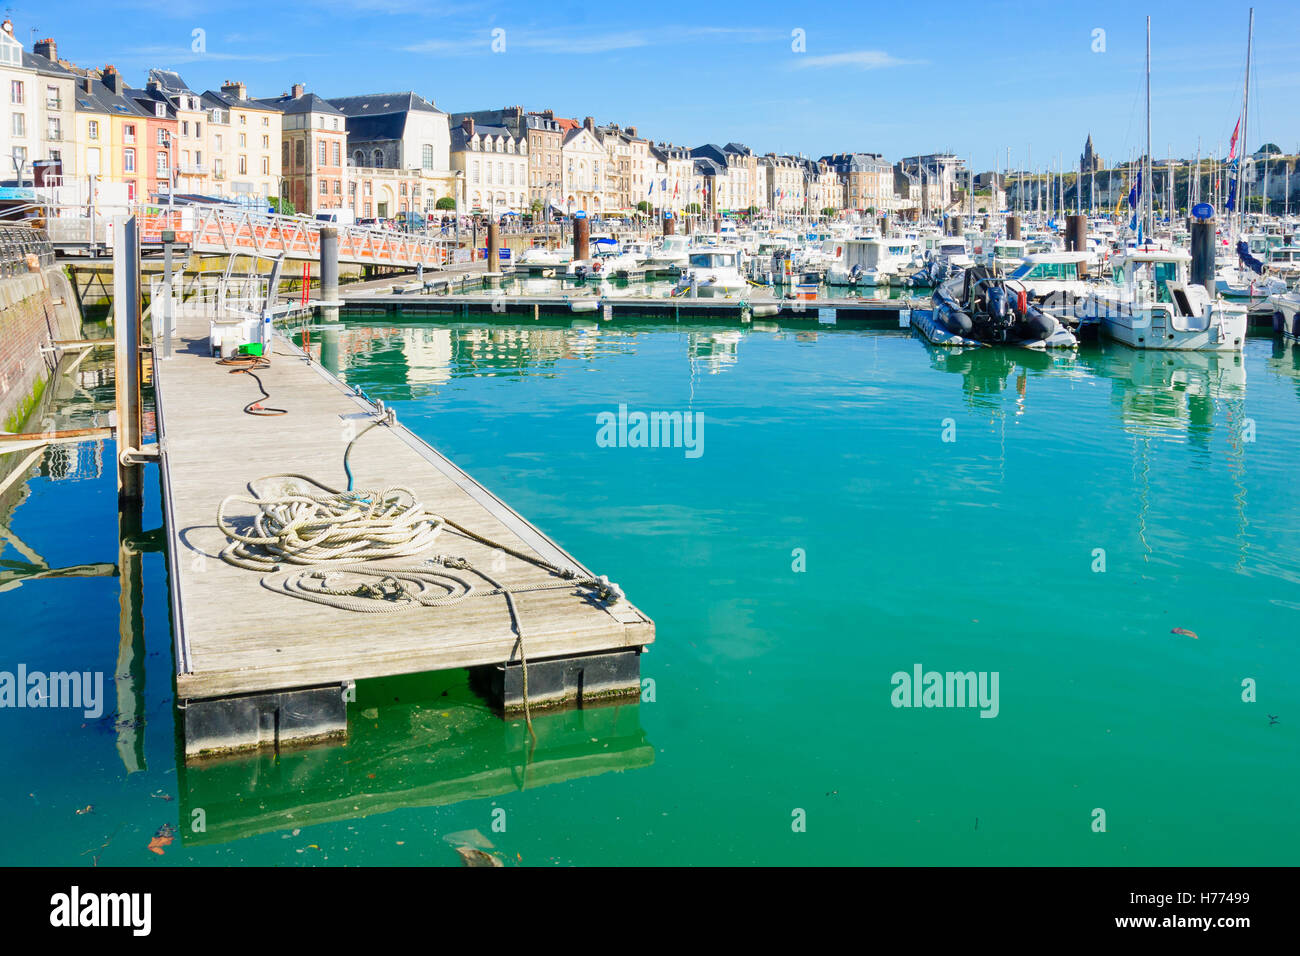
(974,78)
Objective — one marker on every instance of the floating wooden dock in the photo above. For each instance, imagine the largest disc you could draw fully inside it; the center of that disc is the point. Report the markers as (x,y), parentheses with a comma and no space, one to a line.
(588,301)
(257,668)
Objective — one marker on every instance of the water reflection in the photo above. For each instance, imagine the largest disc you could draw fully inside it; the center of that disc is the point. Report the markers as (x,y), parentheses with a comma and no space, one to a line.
(419,741)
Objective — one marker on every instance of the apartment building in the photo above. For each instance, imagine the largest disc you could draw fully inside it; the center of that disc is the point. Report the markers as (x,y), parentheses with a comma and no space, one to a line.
(243,138)
(494,164)
(313,151)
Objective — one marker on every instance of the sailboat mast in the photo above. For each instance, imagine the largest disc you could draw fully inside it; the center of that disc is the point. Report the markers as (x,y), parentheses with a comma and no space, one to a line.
(1147,185)
(1245,121)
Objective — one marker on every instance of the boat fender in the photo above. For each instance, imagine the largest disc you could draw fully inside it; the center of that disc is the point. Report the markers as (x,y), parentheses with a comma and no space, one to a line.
(595,266)
(1022,301)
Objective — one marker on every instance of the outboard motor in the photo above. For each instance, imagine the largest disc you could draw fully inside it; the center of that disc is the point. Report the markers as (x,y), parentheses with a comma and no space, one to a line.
(855,273)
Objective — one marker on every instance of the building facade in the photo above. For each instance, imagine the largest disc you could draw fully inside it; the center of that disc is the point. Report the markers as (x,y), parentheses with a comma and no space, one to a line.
(313,151)
(244,142)
(585,164)
(494,164)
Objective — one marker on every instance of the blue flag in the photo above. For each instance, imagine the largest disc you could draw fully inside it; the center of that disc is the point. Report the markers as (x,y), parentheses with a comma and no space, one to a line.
(1135,193)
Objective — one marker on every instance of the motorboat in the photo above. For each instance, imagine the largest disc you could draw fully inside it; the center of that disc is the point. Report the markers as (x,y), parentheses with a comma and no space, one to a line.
(1151,304)
(712,272)
(980,304)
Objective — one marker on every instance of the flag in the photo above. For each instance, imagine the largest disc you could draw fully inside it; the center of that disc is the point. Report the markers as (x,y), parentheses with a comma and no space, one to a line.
(1135,193)
(651,190)
(1232,145)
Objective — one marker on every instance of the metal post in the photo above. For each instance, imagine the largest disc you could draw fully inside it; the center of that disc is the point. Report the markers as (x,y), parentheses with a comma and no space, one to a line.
(169,308)
(126,351)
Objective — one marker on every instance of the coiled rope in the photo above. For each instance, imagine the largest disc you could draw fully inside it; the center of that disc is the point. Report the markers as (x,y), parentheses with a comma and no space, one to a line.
(339,535)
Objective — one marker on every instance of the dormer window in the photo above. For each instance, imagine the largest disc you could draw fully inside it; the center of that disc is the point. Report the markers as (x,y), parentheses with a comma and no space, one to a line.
(159,109)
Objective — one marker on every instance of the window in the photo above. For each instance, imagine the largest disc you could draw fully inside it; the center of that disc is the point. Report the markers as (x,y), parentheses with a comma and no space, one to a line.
(20,157)
(243,119)
(92,130)
(185,127)
(266,142)
(53,129)
(198,129)
(338,188)
(266,165)
(19,125)
(52,99)
(243,141)
(266,121)
(162,137)
(321,157)
(300,153)
(217,143)
(358,158)
(324,187)
(377,159)
(16,92)
(426,156)
(336,152)
(219,168)
(243,165)
(474,171)
(284,154)
(161,165)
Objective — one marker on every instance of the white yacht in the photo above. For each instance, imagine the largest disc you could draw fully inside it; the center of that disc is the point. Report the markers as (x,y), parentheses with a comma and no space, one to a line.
(1286,314)
(1152,305)
(540,260)
(1007,254)
(872,262)
(670,255)
(712,273)
(1056,274)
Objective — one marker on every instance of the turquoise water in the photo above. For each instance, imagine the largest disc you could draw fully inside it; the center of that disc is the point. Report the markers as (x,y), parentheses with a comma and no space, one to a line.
(772,686)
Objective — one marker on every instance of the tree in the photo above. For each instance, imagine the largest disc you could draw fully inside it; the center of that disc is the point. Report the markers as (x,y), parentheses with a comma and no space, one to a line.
(446,202)
(644,206)
(284,207)
(692,209)
(829,212)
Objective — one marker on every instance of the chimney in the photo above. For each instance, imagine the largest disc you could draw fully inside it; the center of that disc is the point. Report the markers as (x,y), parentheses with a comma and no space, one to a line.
(7,26)
(88,83)
(467,124)
(236,90)
(589,124)
(631,131)
(113,79)
(549,114)
(297,91)
(47,49)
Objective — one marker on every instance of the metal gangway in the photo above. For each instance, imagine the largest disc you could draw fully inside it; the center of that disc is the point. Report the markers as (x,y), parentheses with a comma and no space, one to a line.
(220,229)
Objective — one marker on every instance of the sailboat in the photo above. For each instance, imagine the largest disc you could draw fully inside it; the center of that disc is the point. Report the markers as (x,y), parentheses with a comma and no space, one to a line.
(1247,276)
(1151,304)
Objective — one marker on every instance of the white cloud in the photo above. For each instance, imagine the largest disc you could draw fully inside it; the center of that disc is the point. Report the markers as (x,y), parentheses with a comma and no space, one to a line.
(859,59)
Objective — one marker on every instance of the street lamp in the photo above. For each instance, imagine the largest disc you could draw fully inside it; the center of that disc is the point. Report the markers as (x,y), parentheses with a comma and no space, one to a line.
(171,175)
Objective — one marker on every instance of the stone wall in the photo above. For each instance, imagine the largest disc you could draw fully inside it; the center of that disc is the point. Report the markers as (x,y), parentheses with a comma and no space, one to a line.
(35,308)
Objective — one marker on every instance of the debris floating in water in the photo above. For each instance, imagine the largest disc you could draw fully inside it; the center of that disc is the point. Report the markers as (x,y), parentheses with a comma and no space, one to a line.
(472,857)
(1184,632)
(88,808)
(164,837)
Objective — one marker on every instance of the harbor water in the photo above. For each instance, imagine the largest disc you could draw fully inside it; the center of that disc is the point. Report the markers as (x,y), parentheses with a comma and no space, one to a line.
(1109,539)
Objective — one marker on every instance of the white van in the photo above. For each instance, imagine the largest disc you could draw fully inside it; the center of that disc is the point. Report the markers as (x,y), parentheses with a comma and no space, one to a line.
(337,217)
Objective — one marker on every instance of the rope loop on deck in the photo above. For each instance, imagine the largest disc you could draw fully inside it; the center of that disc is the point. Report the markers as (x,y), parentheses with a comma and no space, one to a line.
(296,527)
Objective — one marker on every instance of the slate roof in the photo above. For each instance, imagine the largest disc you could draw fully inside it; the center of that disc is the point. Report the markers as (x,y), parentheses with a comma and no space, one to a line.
(378,104)
(307,103)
